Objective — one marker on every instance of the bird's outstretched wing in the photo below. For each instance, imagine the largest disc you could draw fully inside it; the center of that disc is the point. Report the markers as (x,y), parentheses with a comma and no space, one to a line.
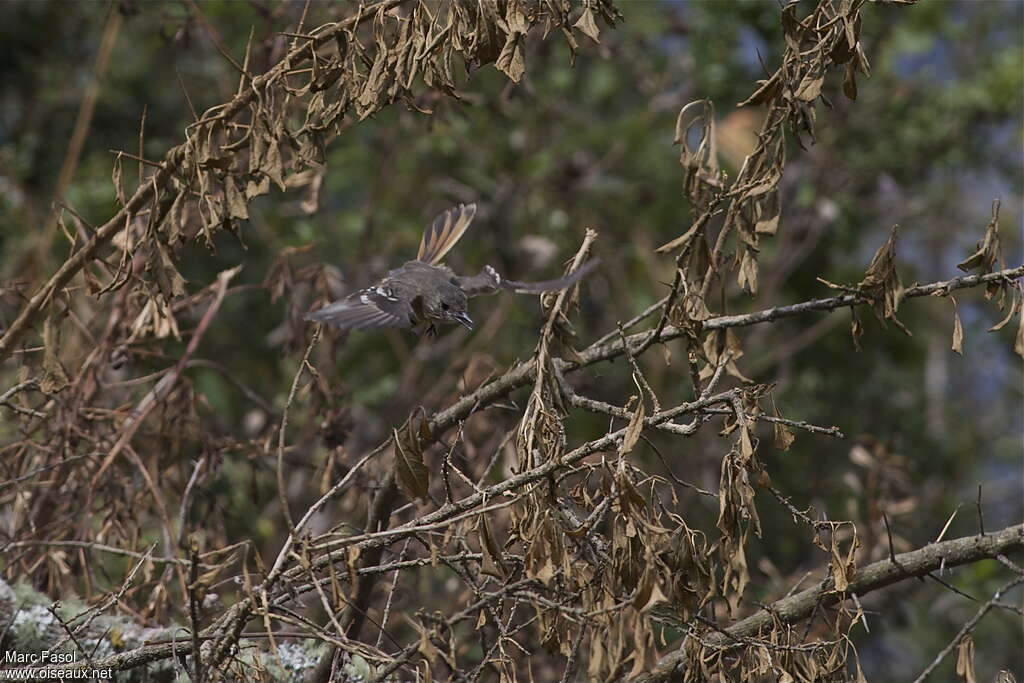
(368,308)
(444,232)
(488,281)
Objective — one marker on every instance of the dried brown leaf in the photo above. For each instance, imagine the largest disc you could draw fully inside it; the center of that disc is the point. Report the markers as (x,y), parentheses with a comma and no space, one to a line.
(237,206)
(654,597)
(411,473)
(989,251)
(634,428)
(768,226)
(511,61)
(255,188)
(844,569)
(882,282)
(273,167)
(767,91)
(850,81)
(116,178)
(747,278)
(784,436)
(958,330)
(965,660)
(587,25)
(492,564)
(856,329)
(1015,303)
(54,377)
(746,445)
(595,666)
(1018,343)
(810,87)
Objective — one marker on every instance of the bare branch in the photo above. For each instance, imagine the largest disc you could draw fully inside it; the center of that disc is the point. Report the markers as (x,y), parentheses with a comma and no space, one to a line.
(873,577)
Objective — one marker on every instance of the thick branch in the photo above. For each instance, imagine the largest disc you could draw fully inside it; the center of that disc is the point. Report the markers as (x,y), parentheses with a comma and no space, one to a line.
(878,575)
(523,374)
(793,609)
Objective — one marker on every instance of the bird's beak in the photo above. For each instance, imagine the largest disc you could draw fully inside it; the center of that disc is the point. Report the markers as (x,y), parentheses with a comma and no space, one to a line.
(464,319)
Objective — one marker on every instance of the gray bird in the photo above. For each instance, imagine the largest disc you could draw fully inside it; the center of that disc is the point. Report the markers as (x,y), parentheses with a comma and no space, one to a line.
(425,292)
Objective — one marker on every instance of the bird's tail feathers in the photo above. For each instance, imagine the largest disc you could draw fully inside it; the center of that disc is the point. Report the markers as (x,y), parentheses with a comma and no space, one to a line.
(551,285)
(444,232)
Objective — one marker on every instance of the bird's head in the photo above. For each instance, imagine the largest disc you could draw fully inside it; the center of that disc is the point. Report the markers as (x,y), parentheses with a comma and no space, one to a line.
(448,304)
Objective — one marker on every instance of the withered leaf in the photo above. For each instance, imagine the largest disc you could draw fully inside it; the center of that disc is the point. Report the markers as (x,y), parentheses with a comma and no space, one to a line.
(116,178)
(768,182)
(882,283)
(538,562)
(168,279)
(273,166)
(492,564)
(654,597)
(767,91)
(989,251)
(681,240)
(644,588)
(91,283)
(426,434)
(856,329)
(596,664)
(863,65)
(326,79)
(767,226)
(958,330)
(634,428)
(373,86)
(784,436)
(515,19)
(810,86)
(965,660)
(850,81)
(792,28)
(220,163)
(629,498)
(352,554)
(257,142)
(427,648)
(747,278)
(510,61)
(174,224)
(255,188)
(844,569)
(1017,301)
(54,377)
(746,444)
(411,473)
(237,206)
(587,25)
(1018,344)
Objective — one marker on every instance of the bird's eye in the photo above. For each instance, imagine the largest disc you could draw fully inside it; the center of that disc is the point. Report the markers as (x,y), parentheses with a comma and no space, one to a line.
(444,306)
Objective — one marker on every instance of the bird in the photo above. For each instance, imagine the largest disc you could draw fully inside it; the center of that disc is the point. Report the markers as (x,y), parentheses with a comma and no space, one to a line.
(424,293)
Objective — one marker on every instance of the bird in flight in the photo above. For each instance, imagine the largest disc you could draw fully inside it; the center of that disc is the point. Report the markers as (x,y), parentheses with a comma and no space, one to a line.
(426,292)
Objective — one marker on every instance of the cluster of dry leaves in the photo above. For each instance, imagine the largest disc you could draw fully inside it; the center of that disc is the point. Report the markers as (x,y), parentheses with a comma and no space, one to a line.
(576,556)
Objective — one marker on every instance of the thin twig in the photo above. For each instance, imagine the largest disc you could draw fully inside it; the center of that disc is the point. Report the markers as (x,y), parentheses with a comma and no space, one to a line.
(969,626)
(981,514)
(281,434)
(869,578)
